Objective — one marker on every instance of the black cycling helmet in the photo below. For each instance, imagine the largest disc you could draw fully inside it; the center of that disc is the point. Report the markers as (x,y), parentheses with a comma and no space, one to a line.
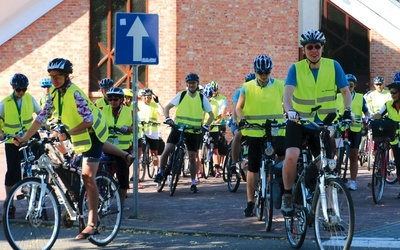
(106,83)
(396,77)
(192,77)
(351,77)
(379,80)
(249,77)
(19,81)
(146,92)
(312,36)
(60,64)
(394,85)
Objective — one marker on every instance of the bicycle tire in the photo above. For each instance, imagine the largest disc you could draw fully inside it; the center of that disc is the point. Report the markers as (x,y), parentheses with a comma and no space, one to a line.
(166,173)
(32,233)
(227,164)
(150,168)
(205,161)
(362,154)
(109,210)
(269,206)
(378,180)
(233,180)
(177,164)
(338,232)
(369,155)
(186,170)
(296,225)
(343,162)
(259,202)
(142,171)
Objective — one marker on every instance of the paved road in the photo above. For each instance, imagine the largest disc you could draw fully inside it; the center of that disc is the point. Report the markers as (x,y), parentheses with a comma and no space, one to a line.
(215,213)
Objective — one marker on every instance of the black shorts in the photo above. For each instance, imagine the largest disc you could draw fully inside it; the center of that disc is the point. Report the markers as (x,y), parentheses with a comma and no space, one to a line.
(153,143)
(354,139)
(296,134)
(191,140)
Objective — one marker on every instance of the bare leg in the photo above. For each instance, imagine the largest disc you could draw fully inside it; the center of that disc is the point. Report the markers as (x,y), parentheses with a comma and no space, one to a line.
(353,163)
(251,185)
(111,149)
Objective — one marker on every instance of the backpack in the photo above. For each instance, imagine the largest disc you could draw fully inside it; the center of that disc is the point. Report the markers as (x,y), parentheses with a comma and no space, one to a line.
(183,95)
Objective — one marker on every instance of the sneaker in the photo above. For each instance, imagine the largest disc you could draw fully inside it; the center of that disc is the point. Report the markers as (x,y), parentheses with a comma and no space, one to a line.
(287,205)
(249,211)
(193,189)
(11,212)
(217,175)
(158,178)
(352,185)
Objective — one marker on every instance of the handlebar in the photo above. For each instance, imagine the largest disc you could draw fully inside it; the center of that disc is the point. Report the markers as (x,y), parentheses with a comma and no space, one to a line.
(182,128)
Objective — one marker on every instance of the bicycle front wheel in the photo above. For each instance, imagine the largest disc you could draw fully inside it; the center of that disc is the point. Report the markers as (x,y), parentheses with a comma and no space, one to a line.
(335,229)
(269,206)
(31,220)
(296,225)
(109,210)
(259,201)
(177,164)
(378,179)
(343,162)
(227,164)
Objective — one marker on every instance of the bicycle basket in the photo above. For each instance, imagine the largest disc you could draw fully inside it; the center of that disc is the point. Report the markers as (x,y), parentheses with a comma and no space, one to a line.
(383,130)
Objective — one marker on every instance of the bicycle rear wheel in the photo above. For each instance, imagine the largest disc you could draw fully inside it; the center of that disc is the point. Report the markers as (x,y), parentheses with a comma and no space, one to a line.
(227,164)
(233,180)
(109,210)
(259,201)
(177,164)
(35,228)
(378,180)
(337,231)
(296,226)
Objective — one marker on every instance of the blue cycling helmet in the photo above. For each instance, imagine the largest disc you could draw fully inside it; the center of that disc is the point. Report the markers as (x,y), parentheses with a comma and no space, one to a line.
(396,77)
(208,91)
(379,80)
(249,77)
(263,63)
(60,64)
(19,81)
(106,83)
(45,83)
(351,77)
(192,77)
(312,36)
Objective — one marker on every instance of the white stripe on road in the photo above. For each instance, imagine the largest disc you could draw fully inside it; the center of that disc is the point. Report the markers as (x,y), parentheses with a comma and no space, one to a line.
(381,243)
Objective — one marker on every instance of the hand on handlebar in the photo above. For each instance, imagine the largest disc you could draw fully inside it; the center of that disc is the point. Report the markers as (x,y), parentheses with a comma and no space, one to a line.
(292,115)
(242,123)
(169,121)
(348,115)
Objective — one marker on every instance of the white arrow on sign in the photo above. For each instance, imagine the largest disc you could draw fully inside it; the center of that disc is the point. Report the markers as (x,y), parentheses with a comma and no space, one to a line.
(137,31)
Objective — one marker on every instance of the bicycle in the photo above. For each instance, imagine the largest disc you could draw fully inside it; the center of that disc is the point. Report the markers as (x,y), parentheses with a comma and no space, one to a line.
(175,161)
(329,207)
(37,203)
(366,147)
(383,171)
(207,154)
(147,163)
(342,148)
(268,180)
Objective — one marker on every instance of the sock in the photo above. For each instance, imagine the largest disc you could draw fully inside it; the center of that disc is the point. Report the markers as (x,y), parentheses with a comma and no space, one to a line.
(287,191)
(160,171)
(193,182)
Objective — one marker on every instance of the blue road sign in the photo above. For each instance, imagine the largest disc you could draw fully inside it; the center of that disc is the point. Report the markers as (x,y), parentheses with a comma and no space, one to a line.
(136,38)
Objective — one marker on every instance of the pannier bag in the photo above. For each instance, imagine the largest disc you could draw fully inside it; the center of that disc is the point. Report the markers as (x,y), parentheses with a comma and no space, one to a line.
(384,130)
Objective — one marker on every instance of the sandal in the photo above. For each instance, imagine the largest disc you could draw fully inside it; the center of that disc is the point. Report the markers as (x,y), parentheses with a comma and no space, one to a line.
(127,161)
(84,236)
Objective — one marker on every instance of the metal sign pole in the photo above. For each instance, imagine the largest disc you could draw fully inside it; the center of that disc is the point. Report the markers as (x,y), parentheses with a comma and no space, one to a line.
(135,86)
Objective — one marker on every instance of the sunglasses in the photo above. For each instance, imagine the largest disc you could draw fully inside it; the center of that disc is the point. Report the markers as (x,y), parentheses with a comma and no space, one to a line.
(378,84)
(263,73)
(394,93)
(56,77)
(113,99)
(21,89)
(311,47)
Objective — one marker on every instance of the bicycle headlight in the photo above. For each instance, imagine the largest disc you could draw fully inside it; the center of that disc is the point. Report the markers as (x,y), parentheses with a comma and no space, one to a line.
(269,151)
(332,164)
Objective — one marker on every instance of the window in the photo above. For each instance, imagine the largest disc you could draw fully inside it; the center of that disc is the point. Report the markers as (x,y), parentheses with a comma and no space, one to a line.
(102,15)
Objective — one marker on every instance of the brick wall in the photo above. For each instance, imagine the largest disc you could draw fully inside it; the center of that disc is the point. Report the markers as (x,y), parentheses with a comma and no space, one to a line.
(62,32)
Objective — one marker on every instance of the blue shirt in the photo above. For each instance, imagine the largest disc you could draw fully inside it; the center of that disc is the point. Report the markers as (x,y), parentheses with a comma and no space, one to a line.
(235,97)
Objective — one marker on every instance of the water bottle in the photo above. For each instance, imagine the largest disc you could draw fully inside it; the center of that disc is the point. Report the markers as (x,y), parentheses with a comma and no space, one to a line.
(274,129)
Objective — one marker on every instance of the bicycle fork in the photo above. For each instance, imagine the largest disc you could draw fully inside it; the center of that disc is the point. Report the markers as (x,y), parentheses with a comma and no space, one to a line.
(331,213)
(35,208)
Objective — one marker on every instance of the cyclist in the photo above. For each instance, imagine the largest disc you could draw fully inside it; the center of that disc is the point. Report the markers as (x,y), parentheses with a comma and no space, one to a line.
(128,95)
(45,84)
(222,106)
(214,133)
(120,117)
(310,85)
(105,85)
(149,110)
(255,95)
(22,103)
(358,107)
(86,127)
(378,97)
(233,124)
(391,108)
(189,111)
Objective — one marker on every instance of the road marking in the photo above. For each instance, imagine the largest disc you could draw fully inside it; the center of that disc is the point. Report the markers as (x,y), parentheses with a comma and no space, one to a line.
(381,243)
